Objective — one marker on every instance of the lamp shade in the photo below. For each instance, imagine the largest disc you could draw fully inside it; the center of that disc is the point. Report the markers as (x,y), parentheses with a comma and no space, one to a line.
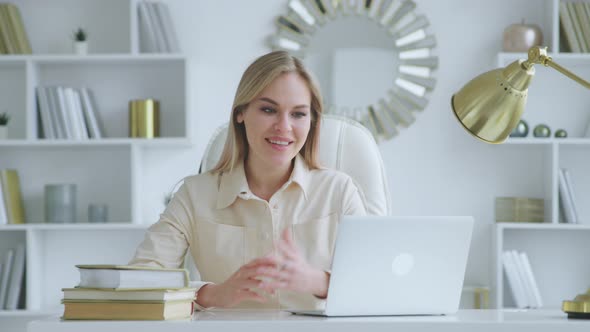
(490,105)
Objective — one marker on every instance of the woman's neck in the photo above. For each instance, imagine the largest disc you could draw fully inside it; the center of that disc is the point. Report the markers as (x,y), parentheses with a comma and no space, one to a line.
(265,180)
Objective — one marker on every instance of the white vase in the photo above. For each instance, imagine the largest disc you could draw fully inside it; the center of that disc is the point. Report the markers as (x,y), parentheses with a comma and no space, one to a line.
(3,132)
(81,48)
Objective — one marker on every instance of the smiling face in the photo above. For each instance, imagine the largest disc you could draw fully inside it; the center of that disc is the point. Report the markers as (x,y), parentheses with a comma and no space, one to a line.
(277,122)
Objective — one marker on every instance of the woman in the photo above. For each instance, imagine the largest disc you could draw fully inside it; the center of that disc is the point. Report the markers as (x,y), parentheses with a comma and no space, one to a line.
(261,225)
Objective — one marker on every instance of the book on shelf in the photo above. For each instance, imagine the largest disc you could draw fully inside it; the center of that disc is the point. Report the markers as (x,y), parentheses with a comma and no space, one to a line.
(567,26)
(577,26)
(513,278)
(8,257)
(3,212)
(67,113)
(105,294)
(567,197)
(131,277)
(520,277)
(156,28)
(17,272)
(13,36)
(13,201)
(132,310)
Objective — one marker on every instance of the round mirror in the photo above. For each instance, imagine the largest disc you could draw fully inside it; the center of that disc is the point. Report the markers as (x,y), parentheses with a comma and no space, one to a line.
(374,60)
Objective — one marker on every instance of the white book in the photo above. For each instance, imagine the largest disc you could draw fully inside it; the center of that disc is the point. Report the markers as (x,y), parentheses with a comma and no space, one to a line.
(566,200)
(54,111)
(3,212)
(45,113)
(8,258)
(90,113)
(538,301)
(514,280)
(167,24)
(131,277)
(80,114)
(129,295)
(570,190)
(64,112)
(74,113)
(528,290)
(577,27)
(16,278)
(157,28)
(147,36)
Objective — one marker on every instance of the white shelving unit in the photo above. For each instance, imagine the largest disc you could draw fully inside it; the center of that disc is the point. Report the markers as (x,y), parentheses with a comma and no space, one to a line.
(109,170)
(557,251)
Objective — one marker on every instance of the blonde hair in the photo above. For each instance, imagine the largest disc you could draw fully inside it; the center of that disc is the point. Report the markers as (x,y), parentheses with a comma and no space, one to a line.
(254,80)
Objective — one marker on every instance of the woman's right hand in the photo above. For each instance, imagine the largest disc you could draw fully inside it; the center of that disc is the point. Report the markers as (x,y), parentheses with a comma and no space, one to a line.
(237,288)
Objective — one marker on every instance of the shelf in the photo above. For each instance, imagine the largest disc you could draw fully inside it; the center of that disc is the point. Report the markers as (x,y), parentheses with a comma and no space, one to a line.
(29,313)
(91,58)
(548,141)
(74,227)
(542,226)
(156,142)
(561,58)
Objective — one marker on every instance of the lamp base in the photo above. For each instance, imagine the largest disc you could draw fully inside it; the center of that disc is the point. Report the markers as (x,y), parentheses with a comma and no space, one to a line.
(578,315)
(579,307)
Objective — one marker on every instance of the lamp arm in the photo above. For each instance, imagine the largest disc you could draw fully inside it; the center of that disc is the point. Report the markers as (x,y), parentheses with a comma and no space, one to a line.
(538,55)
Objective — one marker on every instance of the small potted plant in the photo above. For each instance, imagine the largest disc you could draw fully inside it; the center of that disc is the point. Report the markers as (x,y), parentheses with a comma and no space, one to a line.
(80,37)
(4,118)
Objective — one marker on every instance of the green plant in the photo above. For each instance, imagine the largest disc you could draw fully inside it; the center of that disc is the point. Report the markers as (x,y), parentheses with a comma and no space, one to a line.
(4,117)
(80,35)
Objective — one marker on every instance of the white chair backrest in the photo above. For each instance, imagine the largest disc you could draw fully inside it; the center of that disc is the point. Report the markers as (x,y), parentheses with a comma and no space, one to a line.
(345,145)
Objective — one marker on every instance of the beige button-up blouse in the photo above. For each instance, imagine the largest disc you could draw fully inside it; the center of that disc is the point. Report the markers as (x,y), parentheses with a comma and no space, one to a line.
(224,225)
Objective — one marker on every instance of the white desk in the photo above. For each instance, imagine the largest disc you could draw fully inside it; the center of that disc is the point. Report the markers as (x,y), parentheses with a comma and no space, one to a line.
(275,321)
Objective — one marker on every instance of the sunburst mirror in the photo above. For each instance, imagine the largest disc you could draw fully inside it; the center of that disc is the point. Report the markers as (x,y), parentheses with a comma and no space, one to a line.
(375,60)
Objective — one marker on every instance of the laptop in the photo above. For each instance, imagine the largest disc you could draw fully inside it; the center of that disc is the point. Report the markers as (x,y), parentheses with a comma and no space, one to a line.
(385,266)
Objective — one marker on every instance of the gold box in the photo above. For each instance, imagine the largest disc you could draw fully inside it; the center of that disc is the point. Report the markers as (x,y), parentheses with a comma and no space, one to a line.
(520,209)
(144,118)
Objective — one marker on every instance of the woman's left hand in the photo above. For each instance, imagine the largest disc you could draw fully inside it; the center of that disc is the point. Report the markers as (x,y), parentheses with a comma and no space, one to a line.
(293,272)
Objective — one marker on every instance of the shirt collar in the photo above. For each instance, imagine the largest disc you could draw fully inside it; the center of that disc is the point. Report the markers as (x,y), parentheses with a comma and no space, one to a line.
(234,184)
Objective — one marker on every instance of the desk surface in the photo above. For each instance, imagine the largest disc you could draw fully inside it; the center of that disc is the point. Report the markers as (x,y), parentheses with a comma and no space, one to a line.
(277,321)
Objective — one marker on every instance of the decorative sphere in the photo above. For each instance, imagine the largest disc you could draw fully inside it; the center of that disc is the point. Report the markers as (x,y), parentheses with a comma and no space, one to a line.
(521,129)
(560,133)
(541,130)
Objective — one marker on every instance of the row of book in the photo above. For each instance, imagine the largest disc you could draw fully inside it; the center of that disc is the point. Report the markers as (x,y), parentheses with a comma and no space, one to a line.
(575,25)
(12,272)
(521,279)
(567,198)
(113,292)
(12,210)
(67,113)
(13,37)
(156,29)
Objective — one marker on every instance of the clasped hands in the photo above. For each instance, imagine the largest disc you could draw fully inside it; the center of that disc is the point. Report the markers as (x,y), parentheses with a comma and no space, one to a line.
(285,270)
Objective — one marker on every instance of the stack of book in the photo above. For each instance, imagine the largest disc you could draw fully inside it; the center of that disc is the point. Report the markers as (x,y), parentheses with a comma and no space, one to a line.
(12,271)
(67,113)
(11,203)
(156,31)
(521,279)
(575,26)
(13,37)
(567,198)
(114,292)
(519,209)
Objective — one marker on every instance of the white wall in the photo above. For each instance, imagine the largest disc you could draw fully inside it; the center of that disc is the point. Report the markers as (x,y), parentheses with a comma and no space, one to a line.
(434,167)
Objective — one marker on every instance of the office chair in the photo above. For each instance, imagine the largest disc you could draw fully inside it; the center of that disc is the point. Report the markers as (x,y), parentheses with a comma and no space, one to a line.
(345,145)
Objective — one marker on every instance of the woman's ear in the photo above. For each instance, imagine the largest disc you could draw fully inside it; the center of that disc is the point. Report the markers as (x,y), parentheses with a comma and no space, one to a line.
(240,117)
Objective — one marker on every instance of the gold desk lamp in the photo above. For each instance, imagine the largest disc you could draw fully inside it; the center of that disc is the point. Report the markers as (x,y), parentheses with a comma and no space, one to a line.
(489,108)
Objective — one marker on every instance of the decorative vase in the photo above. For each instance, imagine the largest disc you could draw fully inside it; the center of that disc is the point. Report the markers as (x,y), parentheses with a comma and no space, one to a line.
(81,47)
(3,132)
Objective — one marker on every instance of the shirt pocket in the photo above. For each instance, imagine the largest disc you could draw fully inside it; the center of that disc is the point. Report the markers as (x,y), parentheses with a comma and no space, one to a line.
(315,238)
(221,249)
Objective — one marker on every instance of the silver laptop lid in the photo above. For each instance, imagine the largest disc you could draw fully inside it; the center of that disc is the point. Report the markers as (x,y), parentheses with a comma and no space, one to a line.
(398,265)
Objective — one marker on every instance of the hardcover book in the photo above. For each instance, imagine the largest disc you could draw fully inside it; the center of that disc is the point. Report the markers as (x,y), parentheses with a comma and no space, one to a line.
(131,277)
